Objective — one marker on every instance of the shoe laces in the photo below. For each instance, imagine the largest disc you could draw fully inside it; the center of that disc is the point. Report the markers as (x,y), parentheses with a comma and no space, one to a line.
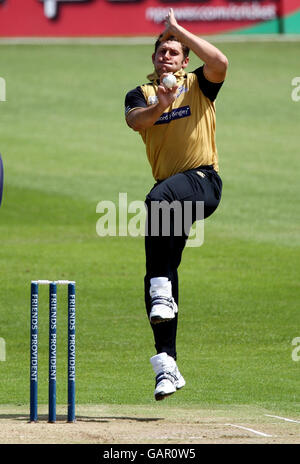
(166,375)
(158,299)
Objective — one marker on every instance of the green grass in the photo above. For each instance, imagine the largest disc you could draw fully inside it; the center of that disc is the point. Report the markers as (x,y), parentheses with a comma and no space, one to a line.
(66,147)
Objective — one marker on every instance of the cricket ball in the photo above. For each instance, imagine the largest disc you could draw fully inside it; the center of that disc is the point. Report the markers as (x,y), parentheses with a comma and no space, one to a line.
(169,81)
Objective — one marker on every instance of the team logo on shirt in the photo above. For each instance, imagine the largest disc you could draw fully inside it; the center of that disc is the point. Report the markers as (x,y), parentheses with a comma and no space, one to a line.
(177,113)
(181,89)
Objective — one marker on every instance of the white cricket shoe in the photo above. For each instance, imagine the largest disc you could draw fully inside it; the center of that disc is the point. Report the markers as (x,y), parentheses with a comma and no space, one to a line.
(168,378)
(163,306)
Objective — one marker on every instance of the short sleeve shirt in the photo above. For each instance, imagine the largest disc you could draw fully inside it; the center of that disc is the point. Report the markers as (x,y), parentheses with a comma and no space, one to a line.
(184,136)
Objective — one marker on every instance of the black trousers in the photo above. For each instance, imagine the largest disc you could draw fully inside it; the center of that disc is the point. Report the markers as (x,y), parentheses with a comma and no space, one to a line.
(165,242)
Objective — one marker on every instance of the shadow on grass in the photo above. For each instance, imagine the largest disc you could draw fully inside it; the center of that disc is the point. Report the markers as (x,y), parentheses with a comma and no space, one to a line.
(62,418)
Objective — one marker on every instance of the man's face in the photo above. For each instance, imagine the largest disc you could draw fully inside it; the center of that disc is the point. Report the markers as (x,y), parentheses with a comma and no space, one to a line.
(169,57)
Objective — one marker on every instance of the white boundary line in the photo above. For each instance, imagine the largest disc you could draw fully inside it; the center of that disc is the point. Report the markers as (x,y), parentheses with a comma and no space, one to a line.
(142,40)
(250,430)
(284,418)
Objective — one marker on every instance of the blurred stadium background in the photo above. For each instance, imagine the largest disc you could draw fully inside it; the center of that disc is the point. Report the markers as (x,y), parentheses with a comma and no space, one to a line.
(79,18)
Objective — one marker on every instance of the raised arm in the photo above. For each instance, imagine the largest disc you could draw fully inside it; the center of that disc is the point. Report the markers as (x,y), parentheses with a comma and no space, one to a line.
(215,62)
